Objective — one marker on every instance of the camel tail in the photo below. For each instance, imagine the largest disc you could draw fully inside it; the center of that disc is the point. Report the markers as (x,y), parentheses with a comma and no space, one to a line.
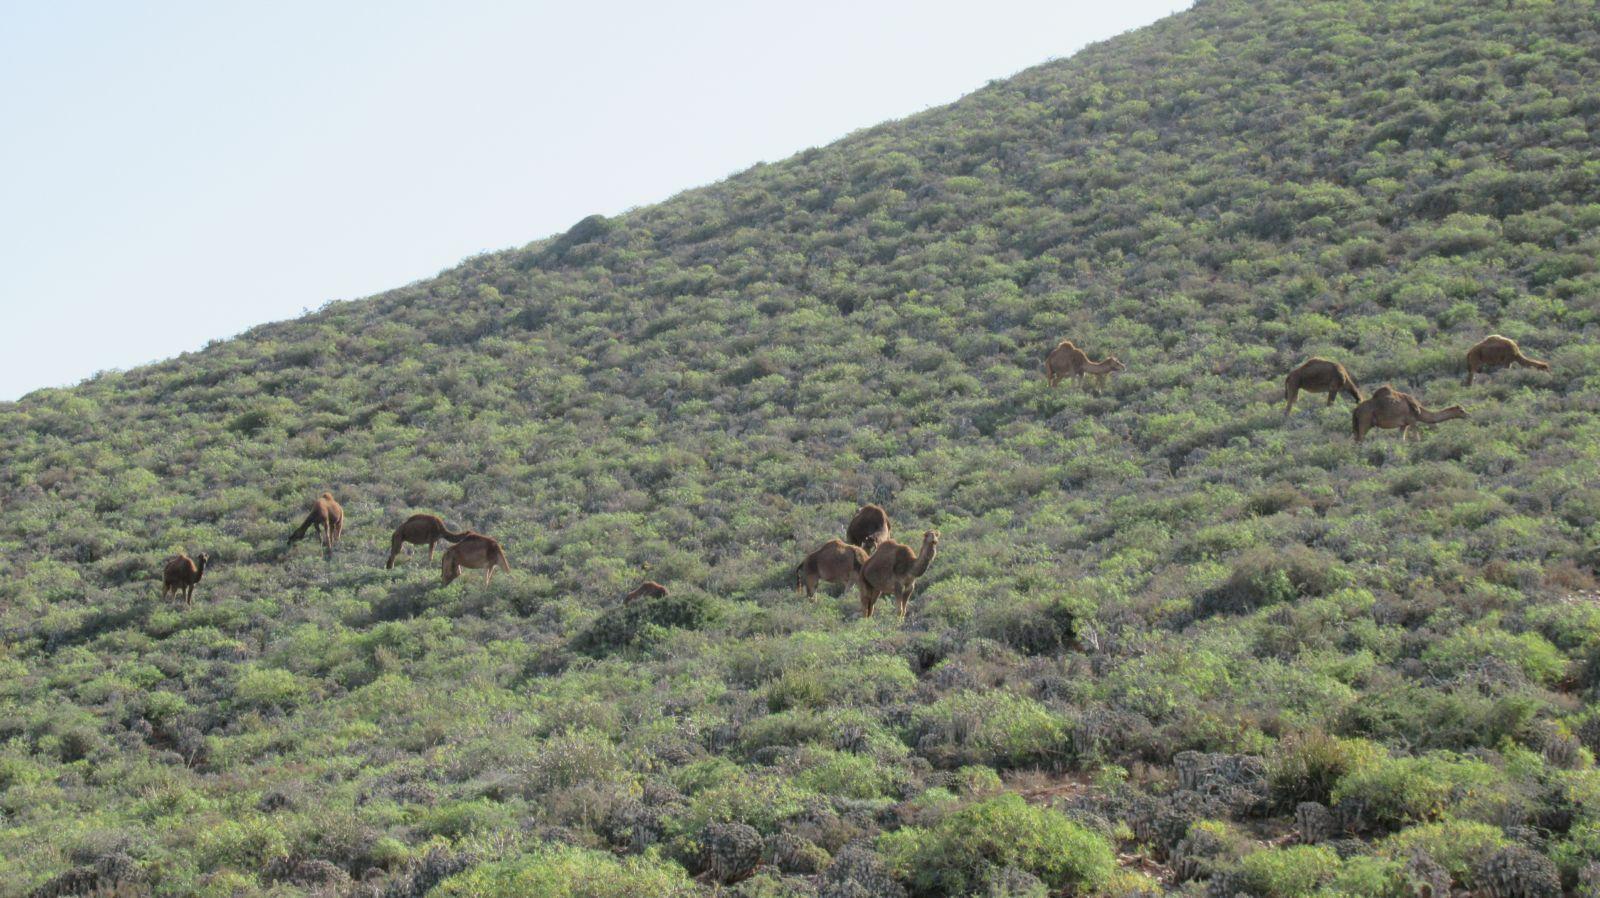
(800,577)
(1355,424)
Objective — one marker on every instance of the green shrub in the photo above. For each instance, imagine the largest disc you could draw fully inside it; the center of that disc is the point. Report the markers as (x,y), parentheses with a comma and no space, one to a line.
(1264,577)
(1293,872)
(640,624)
(951,857)
(567,872)
(1305,767)
(1455,845)
(996,728)
(1400,791)
(268,687)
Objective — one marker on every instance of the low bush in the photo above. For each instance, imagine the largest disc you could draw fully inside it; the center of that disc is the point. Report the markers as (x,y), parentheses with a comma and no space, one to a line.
(952,857)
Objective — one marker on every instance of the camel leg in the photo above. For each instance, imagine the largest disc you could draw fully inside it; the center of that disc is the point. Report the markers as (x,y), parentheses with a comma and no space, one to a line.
(1289,406)
(430,551)
(903,601)
(868,599)
(1332,395)
(488,574)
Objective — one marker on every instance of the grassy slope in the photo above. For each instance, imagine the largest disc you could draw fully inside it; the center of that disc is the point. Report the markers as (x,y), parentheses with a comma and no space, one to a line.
(702,390)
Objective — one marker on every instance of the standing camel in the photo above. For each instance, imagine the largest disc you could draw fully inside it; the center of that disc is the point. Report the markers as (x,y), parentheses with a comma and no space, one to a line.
(327,516)
(835,562)
(1067,360)
(473,551)
(894,568)
(421,530)
(1319,375)
(181,574)
(1389,408)
(1495,351)
(869,527)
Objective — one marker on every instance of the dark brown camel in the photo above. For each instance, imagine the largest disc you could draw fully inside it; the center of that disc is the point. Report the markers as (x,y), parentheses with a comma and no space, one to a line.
(835,562)
(1319,375)
(328,517)
(1495,351)
(868,528)
(421,530)
(649,589)
(894,569)
(181,574)
(1391,409)
(1067,360)
(473,551)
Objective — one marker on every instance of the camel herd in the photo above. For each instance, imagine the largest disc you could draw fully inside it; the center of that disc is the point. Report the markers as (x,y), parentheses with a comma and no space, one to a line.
(1388,408)
(868,558)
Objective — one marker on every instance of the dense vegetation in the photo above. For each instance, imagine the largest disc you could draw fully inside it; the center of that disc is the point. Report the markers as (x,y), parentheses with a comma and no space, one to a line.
(1171,643)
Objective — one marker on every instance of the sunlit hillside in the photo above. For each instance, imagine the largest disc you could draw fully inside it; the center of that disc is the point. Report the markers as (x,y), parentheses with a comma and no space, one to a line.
(1171,643)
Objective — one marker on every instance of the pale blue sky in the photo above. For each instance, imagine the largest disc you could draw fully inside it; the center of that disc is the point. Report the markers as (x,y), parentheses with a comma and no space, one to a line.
(174,172)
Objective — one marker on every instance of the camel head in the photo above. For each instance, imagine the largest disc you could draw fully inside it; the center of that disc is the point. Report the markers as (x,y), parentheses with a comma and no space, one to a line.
(1455,411)
(1115,363)
(200,561)
(930,538)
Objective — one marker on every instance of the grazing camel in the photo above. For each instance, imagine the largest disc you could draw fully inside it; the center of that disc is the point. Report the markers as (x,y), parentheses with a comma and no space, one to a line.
(421,530)
(1319,375)
(1067,360)
(868,528)
(835,562)
(649,589)
(1390,408)
(328,517)
(473,551)
(1495,351)
(894,568)
(181,574)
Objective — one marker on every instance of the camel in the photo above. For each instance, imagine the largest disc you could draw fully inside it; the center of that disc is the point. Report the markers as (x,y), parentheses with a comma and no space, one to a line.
(835,562)
(181,574)
(868,528)
(1495,351)
(1067,360)
(894,568)
(421,530)
(649,589)
(1390,408)
(1319,375)
(328,517)
(473,551)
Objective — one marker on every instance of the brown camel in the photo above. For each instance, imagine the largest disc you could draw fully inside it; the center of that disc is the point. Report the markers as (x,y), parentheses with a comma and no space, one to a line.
(835,562)
(868,528)
(473,551)
(649,589)
(328,517)
(1319,375)
(1495,351)
(421,530)
(1390,408)
(1067,360)
(181,574)
(894,568)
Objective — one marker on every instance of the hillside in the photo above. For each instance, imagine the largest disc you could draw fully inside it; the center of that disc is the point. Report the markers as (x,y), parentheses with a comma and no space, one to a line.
(1387,655)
